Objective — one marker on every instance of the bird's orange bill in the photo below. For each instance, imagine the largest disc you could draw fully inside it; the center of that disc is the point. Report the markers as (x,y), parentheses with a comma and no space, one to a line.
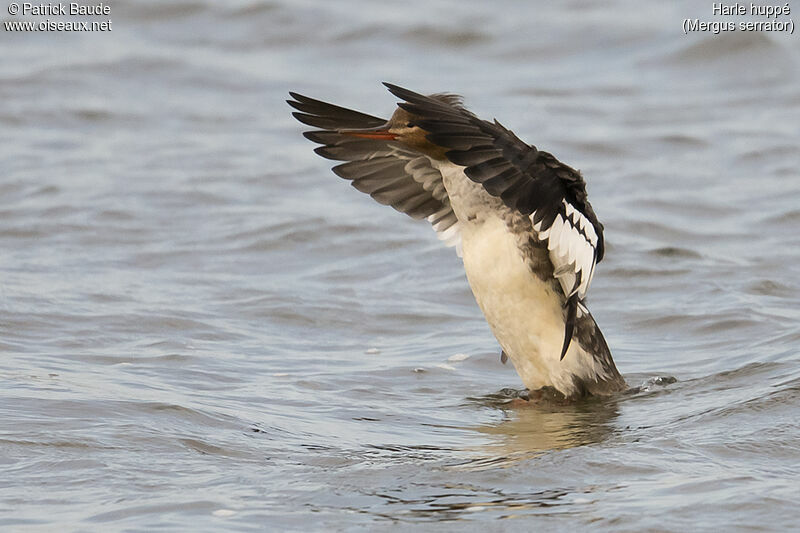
(380,133)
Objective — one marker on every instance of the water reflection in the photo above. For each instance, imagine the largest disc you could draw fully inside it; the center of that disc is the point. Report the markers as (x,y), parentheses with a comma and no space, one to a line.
(458,489)
(533,428)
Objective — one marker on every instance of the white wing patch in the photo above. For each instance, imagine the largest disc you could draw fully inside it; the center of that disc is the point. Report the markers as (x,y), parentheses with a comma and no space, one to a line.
(572,242)
(445,223)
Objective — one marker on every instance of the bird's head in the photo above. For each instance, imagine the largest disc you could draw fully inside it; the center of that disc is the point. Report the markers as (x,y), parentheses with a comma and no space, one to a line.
(402,128)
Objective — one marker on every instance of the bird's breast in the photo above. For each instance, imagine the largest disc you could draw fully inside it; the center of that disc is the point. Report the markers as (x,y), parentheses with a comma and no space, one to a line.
(523,311)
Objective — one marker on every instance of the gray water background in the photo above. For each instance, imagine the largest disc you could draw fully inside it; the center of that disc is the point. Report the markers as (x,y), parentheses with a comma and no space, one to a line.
(203,329)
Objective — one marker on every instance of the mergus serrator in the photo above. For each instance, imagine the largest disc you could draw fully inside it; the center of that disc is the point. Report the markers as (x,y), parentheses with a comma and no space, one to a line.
(518,217)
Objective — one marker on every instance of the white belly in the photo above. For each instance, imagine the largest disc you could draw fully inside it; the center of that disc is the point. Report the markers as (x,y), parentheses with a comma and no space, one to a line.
(524,313)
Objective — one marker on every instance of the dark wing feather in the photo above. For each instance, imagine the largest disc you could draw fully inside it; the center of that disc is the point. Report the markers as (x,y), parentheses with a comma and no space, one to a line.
(389,173)
(328,116)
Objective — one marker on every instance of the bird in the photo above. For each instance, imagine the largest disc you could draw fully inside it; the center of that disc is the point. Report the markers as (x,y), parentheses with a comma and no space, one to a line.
(518,217)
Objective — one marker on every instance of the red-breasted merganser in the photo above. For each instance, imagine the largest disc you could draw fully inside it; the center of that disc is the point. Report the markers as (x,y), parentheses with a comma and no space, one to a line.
(518,217)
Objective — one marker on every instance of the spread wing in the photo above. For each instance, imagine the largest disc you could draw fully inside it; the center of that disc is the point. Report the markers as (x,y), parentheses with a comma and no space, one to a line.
(530,181)
(391,174)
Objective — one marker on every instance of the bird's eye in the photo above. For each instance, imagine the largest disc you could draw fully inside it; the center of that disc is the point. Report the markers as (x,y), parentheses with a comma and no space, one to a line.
(410,124)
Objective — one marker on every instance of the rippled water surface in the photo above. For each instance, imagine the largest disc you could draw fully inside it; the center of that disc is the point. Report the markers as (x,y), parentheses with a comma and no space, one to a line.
(202,328)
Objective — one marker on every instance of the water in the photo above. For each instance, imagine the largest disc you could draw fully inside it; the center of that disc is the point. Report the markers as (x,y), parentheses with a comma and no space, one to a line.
(204,329)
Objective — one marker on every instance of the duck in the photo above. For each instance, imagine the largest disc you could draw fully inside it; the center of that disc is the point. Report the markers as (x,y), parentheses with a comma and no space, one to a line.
(519,218)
